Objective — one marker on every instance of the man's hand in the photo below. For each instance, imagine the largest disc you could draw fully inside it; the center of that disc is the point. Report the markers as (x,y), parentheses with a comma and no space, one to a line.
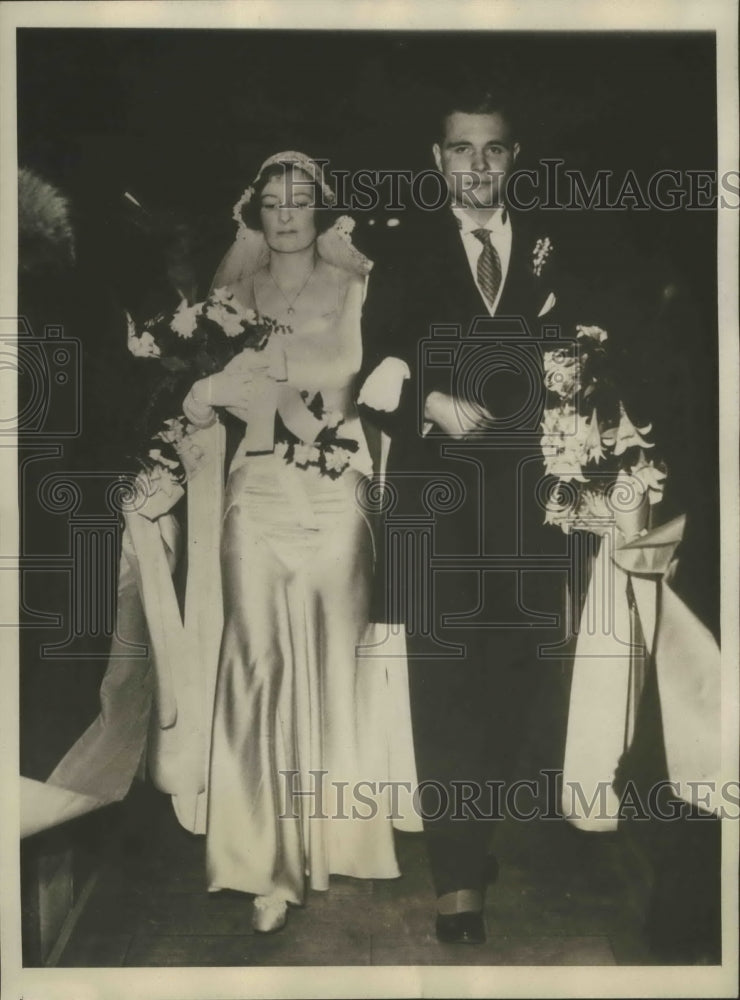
(455,417)
(382,388)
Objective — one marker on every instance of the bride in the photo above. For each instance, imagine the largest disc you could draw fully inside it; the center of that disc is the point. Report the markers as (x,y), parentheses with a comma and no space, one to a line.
(292,732)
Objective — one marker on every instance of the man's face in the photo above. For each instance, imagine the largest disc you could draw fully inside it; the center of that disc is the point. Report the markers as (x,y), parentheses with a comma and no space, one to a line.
(476,156)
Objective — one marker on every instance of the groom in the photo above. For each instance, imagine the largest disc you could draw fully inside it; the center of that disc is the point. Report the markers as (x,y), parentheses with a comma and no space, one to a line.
(454,331)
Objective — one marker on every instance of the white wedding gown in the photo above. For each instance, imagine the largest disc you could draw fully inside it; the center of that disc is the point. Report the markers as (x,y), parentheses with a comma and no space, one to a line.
(296,709)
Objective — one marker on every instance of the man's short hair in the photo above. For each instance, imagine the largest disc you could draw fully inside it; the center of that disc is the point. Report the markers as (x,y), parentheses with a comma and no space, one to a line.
(473,99)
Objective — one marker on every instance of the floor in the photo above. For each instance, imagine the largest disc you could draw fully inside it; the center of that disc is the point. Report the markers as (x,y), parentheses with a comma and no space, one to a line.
(562,898)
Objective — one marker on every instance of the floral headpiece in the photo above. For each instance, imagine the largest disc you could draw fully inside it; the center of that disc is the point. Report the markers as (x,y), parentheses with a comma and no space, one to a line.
(292,158)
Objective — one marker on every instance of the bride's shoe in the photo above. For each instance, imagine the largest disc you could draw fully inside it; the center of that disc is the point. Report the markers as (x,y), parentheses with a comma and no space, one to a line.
(270,914)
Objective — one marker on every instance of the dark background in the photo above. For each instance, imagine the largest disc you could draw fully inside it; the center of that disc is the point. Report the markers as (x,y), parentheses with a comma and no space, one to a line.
(183,119)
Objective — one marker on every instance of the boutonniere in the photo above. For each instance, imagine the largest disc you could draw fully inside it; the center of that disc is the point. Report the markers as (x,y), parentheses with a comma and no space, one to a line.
(542,250)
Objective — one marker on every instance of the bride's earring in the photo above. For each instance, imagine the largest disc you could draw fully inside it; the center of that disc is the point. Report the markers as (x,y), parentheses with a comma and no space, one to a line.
(270,914)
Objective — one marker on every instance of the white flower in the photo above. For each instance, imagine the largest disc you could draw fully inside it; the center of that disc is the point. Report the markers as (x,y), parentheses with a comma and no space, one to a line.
(592,446)
(337,459)
(159,490)
(627,435)
(592,332)
(185,319)
(542,250)
(344,226)
(157,455)
(561,420)
(333,419)
(225,316)
(563,427)
(221,296)
(305,454)
(231,324)
(560,517)
(172,432)
(651,478)
(223,308)
(221,301)
(144,346)
(563,443)
(567,467)
(562,373)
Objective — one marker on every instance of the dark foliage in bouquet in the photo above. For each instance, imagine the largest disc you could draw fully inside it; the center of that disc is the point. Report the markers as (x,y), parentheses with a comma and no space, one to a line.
(595,453)
(190,344)
(329,453)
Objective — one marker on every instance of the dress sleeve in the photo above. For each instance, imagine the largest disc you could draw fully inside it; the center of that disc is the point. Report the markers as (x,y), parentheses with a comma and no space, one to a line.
(198,413)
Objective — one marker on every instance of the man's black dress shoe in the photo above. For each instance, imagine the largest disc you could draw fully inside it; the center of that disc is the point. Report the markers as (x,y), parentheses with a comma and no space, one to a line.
(461,928)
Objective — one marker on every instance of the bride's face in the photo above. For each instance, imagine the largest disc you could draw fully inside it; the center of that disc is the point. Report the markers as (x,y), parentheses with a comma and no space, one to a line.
(287,212)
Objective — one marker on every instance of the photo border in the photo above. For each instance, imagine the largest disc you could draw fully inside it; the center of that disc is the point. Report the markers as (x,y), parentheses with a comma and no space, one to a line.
(473,981)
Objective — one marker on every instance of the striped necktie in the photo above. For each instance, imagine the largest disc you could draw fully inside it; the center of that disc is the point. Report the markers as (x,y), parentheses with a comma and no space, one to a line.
(489,266)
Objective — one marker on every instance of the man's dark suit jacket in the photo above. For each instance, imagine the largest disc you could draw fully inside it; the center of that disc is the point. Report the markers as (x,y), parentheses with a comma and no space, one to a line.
(424,307)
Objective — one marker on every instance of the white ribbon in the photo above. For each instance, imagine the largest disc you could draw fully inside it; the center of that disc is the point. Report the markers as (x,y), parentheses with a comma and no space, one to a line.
(601,714)
(179,675)
(188,664)
(101,765)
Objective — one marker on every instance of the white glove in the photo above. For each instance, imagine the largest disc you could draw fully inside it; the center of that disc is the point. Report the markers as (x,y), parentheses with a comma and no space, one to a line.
(230,387)
(382,388)
(453,417)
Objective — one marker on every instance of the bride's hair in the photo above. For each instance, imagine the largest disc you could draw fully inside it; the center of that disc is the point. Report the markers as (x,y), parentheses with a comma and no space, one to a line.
(324,216)
(249,250)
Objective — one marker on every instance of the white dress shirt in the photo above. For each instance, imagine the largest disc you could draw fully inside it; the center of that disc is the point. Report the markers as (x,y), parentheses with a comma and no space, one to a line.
(499,226)
(382,388)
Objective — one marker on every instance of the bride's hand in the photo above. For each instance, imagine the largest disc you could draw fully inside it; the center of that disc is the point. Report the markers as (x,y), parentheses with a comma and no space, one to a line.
(231,387)
(240,412)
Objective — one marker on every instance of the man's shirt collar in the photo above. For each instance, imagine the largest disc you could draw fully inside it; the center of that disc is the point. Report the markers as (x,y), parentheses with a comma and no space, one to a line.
(466,224)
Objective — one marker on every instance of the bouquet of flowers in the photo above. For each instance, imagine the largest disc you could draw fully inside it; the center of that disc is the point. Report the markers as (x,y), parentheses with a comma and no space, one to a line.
(596,454)
(193,342)
(329,453)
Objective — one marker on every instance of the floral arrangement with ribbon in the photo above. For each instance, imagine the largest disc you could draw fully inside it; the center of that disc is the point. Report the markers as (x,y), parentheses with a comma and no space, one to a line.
(329,453)
(193,342)
(599,458)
